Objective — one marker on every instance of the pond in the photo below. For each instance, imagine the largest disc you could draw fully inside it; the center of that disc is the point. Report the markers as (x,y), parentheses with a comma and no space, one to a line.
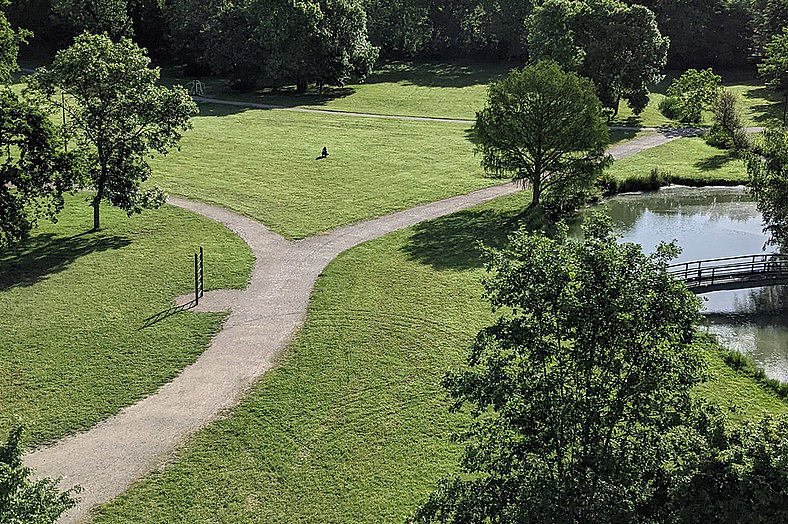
(714,222)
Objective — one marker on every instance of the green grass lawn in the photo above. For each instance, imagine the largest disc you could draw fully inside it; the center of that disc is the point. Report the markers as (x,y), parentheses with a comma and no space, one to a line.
(74,350)
(459,91)
(353,425)
(262,164)
(688,160)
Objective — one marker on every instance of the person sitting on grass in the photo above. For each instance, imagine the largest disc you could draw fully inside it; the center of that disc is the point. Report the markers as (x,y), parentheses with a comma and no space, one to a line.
(323,155)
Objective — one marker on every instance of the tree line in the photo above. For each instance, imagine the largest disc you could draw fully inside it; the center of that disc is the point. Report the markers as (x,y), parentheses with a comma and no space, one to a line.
(326,42)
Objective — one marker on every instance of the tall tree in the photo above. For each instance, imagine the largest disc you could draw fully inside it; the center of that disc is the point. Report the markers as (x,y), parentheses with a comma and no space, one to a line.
(543,127)
(575,388)
(322,42)
(768,19)
(774,67)
(767,167)
(95,16)
(35,171)
(117,113)
(619,47)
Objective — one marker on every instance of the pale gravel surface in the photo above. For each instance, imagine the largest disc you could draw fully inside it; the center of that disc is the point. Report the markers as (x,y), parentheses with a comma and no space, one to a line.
(106,459)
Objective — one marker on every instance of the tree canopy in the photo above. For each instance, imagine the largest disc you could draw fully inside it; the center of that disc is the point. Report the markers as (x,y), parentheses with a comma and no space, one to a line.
(574,389)
(117,113)
(580,398)
(767,167)
(22,499)
(280,42)
(543,127)
(774,67)
(619,47)
(35,172)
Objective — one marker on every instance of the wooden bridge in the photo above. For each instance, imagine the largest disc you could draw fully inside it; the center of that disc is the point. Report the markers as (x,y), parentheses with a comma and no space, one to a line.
(743,272)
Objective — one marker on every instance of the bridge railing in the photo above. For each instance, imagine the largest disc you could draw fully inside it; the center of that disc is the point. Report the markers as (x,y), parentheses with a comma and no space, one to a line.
(707,272)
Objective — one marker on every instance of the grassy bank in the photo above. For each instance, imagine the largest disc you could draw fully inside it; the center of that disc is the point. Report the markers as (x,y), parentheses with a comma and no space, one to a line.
(686,161)
(353,425)
(74,350)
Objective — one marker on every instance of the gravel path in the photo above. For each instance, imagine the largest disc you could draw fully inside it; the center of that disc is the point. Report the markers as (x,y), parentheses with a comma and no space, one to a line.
(106,459)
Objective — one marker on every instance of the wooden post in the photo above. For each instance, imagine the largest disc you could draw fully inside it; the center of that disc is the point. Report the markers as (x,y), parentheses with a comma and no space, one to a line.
(196,282)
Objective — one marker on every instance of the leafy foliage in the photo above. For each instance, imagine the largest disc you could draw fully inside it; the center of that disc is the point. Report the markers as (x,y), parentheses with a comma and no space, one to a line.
(574,390)
(35,173)
(736,475)
(691,93)
(543,127)
(767,167)
(774,67)
(728,131)
(279,41)
(619,47)
(22,500)
(768,18)
(117,114)
(94,16)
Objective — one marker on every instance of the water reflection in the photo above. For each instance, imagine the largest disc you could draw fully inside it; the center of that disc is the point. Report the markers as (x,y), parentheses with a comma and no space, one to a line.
(713,223)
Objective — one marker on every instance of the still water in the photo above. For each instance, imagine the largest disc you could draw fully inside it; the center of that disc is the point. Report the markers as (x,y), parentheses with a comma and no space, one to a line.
(712,223)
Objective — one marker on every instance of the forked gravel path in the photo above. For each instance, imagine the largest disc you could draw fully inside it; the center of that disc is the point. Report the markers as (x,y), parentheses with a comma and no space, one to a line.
(106,459)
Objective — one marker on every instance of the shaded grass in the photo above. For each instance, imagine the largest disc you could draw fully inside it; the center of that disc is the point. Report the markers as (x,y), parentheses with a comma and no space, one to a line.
(72,306)
(353,426)
(688,161)
(458,90)
(262,164)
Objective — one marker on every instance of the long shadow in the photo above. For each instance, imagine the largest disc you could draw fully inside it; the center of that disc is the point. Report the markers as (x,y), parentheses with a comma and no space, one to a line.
(713,162)
(441,74)
(46,254)
(451,242)
(769,111)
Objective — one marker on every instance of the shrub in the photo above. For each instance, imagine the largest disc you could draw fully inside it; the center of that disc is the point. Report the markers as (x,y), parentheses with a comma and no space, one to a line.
(728,131)
(670,106)
(691,93)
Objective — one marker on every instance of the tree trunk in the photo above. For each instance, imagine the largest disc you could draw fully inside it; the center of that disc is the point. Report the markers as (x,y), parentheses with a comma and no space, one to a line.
(536,188)
(96,218)
(785,106)
(301,87)
(97,200)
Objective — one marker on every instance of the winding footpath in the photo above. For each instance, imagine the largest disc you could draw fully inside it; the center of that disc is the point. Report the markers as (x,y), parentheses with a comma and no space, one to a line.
(109,457)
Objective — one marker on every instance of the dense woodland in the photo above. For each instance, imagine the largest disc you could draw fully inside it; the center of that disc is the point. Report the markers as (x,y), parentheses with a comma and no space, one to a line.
(326,42)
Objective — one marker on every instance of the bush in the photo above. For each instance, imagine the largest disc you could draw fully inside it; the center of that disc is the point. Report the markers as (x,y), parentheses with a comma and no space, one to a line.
(670,107)
(728,131)
(691,93)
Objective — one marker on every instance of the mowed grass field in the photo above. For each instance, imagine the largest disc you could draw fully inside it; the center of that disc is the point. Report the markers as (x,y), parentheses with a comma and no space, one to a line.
(689,160)
(459,90)
(74,349)
(262,163)
(353,426)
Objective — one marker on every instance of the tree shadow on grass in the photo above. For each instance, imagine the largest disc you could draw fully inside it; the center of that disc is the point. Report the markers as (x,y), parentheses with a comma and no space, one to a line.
(451,242)
(47,254)
(769,111)
(715,162)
